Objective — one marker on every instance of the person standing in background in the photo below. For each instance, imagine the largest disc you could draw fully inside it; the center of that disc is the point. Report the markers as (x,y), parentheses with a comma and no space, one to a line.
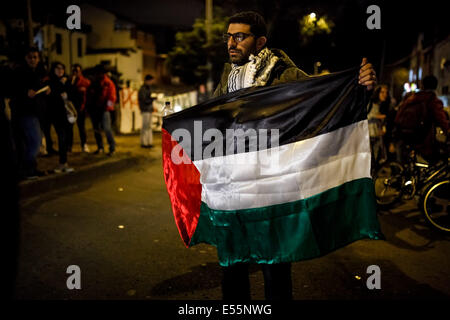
(26,111)
(77,94)
(146,107)
(376,116)
(101,97)
(57,111)
(417,119)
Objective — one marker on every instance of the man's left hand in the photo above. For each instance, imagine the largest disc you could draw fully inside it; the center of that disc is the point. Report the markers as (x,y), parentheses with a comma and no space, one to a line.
(367,75)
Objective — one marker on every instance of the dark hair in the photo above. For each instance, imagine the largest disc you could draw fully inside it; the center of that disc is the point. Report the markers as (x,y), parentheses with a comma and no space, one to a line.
(53,67)
(376,92)
(100,69)
(148,77)
(385,105)
(430,82)
(253,19)
(29,50)
(77,65)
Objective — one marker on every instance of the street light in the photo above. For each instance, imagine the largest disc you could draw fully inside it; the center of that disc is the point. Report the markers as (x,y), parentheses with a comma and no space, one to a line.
(316,67)
(312,15)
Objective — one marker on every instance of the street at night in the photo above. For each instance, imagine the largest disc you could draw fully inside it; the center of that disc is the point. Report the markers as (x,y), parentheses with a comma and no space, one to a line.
(146,259)
(220,158)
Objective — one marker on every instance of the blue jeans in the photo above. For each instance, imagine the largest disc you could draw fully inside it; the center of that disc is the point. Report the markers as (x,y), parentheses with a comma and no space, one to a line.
(102,121)
(31,138)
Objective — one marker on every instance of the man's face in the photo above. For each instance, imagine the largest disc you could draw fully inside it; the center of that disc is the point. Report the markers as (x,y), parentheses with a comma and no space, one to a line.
(32,59)
(240,52)
(76,71)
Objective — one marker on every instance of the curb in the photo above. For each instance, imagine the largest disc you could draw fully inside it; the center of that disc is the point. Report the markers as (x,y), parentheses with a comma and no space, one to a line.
(97,170)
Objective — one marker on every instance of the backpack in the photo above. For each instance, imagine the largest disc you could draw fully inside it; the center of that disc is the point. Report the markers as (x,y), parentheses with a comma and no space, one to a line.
(411,120)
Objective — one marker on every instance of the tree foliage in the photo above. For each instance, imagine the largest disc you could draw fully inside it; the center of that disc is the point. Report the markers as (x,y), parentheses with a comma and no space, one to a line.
(311,27)
(188,58)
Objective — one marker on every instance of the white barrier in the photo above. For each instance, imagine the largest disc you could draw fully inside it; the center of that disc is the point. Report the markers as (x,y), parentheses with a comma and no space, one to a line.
(130,115)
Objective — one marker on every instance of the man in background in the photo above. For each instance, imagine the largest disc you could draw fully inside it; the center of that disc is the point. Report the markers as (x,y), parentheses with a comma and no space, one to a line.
(78,89)
(146,107)
(417,118)
(101,97)
(27,111)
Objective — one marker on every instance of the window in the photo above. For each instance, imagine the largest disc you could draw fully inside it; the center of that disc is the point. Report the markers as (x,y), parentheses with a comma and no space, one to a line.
(58,43)
(80,47)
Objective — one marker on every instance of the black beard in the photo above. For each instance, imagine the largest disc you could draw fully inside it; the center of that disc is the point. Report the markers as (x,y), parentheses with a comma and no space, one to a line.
(240,62)
(243,60)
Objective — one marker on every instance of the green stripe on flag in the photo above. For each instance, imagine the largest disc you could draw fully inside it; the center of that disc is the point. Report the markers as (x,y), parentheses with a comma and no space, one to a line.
(293,231)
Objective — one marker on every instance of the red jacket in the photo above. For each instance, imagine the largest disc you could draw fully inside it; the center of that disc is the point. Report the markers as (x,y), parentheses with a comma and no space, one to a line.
(435,117)
(82,85)
(109,93)
(102,94)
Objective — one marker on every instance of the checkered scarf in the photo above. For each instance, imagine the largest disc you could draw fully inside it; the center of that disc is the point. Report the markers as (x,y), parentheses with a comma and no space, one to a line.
(256,72)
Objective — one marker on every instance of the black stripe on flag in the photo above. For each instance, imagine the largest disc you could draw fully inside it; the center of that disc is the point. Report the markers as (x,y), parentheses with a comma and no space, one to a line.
(299,110)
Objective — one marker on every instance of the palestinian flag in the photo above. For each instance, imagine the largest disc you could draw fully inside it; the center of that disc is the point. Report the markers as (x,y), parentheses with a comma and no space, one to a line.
(273,174)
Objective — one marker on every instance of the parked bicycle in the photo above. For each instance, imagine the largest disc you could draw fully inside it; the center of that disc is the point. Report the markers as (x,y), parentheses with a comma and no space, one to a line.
(429,184)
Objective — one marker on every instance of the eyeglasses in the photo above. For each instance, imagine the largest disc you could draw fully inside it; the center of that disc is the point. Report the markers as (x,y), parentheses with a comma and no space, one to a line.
(237,37)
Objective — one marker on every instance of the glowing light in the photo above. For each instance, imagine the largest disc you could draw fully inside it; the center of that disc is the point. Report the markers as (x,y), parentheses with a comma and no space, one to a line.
(177,108)
(407,87)
(312,15)
(121,227)
(410,87)
(131,292)
(357,277)
(422,165)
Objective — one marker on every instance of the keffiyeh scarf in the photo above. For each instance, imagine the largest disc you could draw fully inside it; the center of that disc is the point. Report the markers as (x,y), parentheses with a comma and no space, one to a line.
(256,72)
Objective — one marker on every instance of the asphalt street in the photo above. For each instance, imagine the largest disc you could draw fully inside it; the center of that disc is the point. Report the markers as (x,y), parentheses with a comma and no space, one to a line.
(119,229)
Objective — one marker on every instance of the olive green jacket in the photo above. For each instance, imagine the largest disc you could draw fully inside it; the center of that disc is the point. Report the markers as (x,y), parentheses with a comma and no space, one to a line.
(284,70)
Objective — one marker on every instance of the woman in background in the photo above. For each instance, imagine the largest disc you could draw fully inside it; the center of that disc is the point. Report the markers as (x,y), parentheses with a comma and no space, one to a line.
(59,87)
(378,127)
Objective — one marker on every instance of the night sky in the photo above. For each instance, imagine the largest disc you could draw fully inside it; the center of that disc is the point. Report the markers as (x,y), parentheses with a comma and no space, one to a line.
(401,22)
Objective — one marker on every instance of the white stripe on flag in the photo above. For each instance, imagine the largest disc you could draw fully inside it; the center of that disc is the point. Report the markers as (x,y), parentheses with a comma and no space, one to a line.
(302,169)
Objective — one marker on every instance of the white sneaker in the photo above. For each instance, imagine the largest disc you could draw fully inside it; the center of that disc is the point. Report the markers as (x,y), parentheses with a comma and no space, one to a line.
(68,169)
(85,148)
(63,168)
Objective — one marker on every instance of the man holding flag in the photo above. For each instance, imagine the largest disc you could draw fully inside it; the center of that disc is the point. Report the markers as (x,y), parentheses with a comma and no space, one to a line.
(307,206)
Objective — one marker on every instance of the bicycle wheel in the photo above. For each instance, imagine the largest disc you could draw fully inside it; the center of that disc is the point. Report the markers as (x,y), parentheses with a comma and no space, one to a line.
(436,205)
(388,183)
